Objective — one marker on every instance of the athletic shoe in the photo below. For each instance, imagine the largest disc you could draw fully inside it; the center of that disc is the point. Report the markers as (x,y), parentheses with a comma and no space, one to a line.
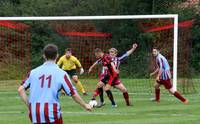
(154,100)
(186,102)
(100,104)
(85,94)
(114,106)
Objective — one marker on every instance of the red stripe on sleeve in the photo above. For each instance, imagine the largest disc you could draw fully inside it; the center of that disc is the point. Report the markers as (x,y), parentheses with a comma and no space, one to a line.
(69,85)
(46,113)
(55,113)
(38,112)
(30,112)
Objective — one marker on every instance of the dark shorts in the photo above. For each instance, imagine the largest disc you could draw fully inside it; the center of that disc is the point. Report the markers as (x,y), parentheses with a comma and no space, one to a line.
(167,83)
(71,73)
(108,79)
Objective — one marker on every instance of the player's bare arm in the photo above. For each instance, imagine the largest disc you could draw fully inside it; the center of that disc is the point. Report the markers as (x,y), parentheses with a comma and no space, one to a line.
(91,67)
(159,73)
(80,101)
(23,95)
(132,49)
(155,72)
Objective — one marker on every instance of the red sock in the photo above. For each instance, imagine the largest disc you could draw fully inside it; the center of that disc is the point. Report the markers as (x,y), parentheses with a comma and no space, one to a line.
(96,93)
(157,93)
(179,96)
(126,97)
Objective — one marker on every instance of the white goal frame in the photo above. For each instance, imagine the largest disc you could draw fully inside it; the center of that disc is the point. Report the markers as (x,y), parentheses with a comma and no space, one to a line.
(115,17)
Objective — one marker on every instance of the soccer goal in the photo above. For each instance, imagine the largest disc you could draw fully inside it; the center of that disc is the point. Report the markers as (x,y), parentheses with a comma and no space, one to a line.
(23,38)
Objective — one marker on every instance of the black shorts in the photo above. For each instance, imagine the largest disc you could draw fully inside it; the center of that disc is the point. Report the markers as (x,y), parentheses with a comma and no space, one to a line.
(71,73)
(112,81)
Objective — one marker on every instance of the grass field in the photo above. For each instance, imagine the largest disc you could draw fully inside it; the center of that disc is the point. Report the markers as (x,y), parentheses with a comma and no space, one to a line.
(169,111)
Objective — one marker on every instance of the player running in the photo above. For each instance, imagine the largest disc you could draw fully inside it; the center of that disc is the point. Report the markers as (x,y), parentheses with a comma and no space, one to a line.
(69,63)
(113,52)
(45,82)
(163,77)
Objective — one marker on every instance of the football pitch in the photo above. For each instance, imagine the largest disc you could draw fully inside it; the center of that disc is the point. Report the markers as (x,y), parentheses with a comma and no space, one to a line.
(144,111)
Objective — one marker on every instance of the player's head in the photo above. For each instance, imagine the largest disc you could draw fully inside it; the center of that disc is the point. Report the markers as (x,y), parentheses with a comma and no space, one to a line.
(98,53)
(68,52)
(50,52)
(113,52)
(155,51)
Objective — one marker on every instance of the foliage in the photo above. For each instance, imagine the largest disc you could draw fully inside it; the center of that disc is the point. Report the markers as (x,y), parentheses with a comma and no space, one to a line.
(124,35)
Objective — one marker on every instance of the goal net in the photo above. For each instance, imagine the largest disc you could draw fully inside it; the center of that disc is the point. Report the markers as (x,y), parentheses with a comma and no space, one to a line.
(22,40)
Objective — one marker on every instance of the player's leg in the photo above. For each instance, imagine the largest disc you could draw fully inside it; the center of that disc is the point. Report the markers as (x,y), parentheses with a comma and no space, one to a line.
(101,95)
(123,89)
(105,80)
(157,91)
(78,84)
(98,90)
(168,86)
(110,95)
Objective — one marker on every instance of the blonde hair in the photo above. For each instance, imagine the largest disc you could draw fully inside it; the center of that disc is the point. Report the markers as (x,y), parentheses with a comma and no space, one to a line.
(113,49)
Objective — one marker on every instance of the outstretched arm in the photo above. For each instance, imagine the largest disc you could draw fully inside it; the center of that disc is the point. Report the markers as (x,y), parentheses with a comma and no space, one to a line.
(71,91)
(132,49)
(93,65)
(124,56)
(80,101)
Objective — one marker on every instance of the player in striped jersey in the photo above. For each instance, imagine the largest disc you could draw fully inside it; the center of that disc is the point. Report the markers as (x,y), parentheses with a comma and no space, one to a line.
(45,82)
(104,78)
(163,77)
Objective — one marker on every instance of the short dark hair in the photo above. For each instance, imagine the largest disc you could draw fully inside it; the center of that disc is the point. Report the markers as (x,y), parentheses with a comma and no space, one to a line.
(97,50)
(68,49)
(50,51)
(155,47)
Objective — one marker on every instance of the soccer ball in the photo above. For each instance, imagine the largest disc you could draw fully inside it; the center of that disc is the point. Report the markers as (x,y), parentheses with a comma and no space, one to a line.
(93,103)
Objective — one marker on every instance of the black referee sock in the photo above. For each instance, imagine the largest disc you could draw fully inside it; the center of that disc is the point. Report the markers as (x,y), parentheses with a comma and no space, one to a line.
(110,96)
(101,95)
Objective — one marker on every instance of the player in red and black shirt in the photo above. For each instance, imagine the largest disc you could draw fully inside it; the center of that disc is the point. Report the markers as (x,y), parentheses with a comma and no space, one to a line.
(111,78)
(117,60)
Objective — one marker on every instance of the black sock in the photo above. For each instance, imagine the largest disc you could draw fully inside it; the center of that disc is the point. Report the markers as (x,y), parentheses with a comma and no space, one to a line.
(110,96)
(101,95)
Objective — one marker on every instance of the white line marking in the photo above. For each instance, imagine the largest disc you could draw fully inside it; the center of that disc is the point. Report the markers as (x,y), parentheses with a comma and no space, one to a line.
(11,112)
(75,113)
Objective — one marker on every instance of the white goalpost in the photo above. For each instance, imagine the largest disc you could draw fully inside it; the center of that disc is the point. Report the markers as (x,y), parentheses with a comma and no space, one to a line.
(115,17)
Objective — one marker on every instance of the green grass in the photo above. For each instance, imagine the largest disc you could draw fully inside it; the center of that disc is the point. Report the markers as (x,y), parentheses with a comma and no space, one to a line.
(169,111)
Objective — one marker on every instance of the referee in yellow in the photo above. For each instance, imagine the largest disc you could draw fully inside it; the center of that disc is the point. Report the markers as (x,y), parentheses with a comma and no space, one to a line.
(69,63)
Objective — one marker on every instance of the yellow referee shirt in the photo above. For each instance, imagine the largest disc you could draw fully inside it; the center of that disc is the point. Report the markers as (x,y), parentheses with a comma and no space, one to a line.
(68,63)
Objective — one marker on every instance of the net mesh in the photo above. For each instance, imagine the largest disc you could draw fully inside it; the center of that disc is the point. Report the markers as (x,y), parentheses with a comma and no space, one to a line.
(163,29)
(84,36)
(14,50)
